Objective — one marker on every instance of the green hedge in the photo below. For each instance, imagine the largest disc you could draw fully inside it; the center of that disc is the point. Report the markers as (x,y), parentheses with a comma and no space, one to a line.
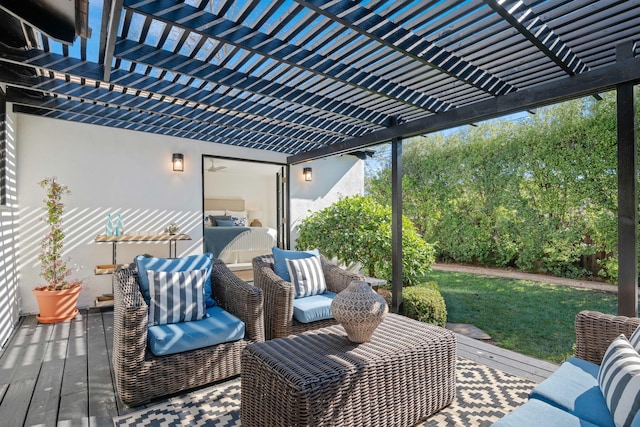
(538,195)
(425,303)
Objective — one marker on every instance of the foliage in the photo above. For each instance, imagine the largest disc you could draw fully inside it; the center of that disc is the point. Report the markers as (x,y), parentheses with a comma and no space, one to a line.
(538,195)
(172,228)
(425,303)
(531,318)
(53,269)
(356,229)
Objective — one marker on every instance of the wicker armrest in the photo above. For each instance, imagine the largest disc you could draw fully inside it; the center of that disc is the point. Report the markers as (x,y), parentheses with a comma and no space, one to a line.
(337,278)
(130,318)
(278,297)
(595,331)
(239,298)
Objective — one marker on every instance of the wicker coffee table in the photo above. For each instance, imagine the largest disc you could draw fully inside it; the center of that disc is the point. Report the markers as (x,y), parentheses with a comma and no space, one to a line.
(405,374)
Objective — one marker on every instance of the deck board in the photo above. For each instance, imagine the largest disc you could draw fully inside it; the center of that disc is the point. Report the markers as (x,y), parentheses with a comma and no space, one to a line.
(74,395)
(505,360)
(43,409)
(102,403)
(21,366)
(62,374)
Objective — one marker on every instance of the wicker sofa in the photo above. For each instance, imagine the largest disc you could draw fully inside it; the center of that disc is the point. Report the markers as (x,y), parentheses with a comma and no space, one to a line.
(279,295)
(141,376)
(571,395)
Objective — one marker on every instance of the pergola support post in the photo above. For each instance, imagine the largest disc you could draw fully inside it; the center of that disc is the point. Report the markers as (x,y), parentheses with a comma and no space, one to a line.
(396,225)
(627,192)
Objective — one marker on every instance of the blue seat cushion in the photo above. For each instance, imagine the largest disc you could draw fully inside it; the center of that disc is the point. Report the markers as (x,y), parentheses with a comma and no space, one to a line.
(220,327)
(280,257)
(171,265)
(315,307)
(573,387)
(536,413)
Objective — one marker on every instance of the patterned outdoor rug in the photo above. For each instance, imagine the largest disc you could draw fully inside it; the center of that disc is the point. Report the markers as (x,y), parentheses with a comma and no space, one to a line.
(483,395)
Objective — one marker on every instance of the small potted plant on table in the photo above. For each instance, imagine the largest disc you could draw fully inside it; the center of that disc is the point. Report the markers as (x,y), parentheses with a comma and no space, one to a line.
(57,300)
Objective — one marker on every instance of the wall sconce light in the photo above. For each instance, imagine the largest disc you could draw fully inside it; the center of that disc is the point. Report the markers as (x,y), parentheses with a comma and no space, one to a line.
(307,173)
(178,162)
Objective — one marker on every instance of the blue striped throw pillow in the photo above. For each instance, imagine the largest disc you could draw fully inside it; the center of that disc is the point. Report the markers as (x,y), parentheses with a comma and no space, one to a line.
(619,381)
(307,276)
(634,339)
(176,296)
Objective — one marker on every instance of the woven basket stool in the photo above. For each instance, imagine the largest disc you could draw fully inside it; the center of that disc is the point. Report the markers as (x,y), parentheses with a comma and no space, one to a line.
(403,375)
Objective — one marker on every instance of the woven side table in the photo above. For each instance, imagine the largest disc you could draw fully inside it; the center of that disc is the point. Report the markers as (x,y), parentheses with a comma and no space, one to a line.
(320,378)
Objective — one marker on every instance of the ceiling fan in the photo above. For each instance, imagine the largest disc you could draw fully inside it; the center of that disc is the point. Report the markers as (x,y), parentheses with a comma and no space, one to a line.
(214,168)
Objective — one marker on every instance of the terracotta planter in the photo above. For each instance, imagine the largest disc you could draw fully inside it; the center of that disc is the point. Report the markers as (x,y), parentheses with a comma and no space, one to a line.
(57,306)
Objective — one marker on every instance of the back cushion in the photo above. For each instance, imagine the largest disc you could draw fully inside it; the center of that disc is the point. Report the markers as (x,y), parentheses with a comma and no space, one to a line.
(192,262)
(280,257)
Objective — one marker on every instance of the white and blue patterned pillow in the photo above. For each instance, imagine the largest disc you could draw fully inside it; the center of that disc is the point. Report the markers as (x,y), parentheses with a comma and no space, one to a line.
(176,296)
(239,221)
(619,381)
(307,276)
(634,339)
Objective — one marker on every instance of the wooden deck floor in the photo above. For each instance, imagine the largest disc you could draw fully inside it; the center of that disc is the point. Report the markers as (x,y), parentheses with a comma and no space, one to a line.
(60,374)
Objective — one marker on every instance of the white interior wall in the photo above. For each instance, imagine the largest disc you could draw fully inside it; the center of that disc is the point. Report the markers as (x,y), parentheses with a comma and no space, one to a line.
(333,178)
(108,170)
(257,189)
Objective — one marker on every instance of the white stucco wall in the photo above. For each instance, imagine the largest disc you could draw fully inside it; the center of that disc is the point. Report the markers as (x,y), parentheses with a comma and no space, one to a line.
(9,307)
(107,170)
(333,178)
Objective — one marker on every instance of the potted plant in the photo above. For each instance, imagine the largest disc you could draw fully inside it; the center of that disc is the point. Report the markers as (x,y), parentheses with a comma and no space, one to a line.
(58,298)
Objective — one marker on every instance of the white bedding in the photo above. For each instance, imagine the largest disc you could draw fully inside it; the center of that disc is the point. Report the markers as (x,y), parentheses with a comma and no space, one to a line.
(249,244)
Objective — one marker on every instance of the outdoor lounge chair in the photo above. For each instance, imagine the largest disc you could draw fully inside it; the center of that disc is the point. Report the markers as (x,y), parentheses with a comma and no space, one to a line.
(140,376)
(279,296)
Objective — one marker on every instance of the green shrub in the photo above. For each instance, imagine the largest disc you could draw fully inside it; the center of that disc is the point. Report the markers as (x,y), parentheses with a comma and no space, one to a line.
(425,303)
(356,229)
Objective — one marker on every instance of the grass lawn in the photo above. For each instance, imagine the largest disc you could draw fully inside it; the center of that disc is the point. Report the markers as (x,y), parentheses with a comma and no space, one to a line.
(528,317)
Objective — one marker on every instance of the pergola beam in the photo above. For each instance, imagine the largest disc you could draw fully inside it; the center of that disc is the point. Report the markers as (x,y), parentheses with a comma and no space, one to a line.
(563,89)
(108,37)
(627,192)
(396,225)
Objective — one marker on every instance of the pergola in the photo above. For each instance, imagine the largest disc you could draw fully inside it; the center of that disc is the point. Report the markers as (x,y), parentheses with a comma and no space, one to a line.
(318,78)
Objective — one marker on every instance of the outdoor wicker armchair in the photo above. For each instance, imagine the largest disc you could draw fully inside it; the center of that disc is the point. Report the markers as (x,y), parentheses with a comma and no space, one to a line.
(141,376)
(279,295)
(595,331)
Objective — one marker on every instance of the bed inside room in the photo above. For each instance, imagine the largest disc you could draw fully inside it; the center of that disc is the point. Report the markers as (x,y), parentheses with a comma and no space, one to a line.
(229,235)
(240,208)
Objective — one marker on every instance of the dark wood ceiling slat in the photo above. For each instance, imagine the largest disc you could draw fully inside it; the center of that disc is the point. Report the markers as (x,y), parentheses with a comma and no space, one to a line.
(138,117)
(400,39)
(140,82)
(146,128)
(143,54)
(261,43)
(287,75)
(523,19)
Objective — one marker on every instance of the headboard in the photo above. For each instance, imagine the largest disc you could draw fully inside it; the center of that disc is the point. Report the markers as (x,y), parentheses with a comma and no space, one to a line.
(223,204)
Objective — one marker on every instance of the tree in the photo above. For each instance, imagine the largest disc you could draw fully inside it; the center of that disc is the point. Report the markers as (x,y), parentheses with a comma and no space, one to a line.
(357,229)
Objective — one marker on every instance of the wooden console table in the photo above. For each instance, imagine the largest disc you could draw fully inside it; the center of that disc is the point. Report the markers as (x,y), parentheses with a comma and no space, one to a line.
(107,299)
(140,238)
